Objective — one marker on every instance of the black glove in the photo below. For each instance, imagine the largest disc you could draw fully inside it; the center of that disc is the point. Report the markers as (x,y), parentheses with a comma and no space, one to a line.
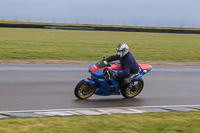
(114,75)
(108,73)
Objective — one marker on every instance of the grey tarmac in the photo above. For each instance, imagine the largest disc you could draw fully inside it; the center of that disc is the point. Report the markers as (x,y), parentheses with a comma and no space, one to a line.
(51,86)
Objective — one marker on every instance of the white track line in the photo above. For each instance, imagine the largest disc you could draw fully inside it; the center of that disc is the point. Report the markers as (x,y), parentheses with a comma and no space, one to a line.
(137,107)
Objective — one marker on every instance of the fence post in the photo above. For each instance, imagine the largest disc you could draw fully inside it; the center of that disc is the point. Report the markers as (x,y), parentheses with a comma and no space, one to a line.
(112,23)
(158,24)
(135,23)
(147,24)
(54,20)
(182,25)
(77,21)
(124,23)
(193,26)
(100,22)
(169,25)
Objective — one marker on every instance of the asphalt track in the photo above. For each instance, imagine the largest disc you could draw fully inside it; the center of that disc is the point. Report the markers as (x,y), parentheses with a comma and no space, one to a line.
(40,87)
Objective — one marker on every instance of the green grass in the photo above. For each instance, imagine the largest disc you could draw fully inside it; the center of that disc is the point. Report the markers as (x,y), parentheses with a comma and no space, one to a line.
(19,43)
(163,122)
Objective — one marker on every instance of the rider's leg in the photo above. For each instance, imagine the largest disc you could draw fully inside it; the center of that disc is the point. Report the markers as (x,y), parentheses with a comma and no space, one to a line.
(125,82)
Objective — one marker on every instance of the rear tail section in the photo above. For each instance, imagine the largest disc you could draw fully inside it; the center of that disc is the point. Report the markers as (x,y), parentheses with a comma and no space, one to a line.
(144,68)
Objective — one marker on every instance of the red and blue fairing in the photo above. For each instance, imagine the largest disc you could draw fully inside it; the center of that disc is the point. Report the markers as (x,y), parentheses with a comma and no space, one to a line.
(105,86)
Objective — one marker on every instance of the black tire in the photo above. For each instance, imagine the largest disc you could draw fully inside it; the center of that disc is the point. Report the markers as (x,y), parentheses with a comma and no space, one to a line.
(137,87)
(83,90)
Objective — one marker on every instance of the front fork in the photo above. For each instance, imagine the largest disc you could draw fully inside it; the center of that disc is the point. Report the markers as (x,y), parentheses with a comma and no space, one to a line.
(91,82)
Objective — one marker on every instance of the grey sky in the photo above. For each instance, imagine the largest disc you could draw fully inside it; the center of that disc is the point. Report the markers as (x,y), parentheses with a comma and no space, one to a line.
(119,12)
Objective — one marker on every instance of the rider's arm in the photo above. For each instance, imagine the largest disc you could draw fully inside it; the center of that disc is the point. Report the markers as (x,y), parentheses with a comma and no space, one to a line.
(112,58)
(125,71)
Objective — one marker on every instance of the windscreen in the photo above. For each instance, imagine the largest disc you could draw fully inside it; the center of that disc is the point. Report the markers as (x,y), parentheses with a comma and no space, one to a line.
(102,63)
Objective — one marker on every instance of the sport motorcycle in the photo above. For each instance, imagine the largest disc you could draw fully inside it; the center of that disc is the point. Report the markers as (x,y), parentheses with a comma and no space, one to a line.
(102,83)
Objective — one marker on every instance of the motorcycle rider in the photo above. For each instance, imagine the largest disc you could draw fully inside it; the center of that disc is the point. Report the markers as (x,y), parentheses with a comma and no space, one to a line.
(130,67)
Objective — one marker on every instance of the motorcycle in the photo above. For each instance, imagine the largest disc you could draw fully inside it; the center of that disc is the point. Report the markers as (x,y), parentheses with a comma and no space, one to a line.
(102,83)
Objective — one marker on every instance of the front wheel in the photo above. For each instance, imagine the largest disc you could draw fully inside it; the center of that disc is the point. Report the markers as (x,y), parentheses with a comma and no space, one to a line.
(134,89)
(84,90)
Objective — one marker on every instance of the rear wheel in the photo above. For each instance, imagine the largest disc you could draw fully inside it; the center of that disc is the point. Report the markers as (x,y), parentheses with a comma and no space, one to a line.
(84,90)
(134,89)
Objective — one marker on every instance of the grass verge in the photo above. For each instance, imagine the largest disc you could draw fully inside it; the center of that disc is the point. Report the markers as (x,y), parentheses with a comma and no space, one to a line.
(165,122)
(19,43)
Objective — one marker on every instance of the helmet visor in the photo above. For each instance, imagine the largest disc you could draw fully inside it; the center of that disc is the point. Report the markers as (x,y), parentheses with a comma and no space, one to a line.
(119,52)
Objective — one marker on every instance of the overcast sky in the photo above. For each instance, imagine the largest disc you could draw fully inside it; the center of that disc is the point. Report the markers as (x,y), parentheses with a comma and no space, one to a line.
(118,12)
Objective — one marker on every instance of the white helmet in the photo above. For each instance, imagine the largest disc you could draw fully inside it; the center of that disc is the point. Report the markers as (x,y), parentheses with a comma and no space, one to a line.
(122,49)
